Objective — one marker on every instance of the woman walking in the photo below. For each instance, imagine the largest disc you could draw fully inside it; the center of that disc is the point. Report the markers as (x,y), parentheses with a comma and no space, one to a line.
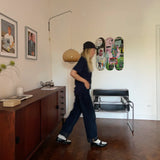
(82,73)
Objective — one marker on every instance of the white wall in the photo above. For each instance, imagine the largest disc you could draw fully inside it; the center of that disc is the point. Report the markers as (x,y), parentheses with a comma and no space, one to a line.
(27,73)
(135,21)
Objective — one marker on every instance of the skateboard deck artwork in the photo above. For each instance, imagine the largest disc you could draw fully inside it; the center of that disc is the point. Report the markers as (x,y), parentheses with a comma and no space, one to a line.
(100,57)
(110,54)
(119,53)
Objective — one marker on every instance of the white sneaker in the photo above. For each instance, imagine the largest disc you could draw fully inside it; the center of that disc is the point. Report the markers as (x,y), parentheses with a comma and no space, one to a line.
(98,143)
(62,139)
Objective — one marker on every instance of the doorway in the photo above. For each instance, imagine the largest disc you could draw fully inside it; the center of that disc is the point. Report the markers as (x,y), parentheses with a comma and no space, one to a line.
(158,70)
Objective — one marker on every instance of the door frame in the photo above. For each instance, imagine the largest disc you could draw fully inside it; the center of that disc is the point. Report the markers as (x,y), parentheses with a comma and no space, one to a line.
(158,71)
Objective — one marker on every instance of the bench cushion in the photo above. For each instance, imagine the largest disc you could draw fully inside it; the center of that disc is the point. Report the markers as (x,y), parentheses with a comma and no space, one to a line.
(110,92)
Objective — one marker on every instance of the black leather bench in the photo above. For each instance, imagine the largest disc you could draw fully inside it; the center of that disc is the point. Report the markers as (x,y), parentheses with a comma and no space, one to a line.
(123,105)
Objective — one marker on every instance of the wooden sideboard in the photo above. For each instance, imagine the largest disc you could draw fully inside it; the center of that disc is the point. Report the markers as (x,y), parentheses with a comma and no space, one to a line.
(24,128)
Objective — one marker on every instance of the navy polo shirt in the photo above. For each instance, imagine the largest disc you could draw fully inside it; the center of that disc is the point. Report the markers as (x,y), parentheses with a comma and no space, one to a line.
(82,69)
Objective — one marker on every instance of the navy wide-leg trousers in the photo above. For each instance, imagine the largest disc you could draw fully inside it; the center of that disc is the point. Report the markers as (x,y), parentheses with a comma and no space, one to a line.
(83,104)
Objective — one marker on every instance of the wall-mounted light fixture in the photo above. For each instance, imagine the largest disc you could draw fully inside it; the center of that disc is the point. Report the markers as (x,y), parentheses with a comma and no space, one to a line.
(69,11)
(70,55)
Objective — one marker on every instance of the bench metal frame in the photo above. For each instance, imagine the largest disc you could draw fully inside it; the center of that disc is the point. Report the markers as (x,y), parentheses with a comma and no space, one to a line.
(125,102)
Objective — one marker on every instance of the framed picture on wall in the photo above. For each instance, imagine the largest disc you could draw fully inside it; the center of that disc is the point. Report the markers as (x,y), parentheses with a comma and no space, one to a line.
(9,38)
(30,43)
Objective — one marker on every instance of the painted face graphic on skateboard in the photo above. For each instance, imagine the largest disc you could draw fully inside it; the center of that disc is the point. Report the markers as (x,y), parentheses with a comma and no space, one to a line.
(119,53)
(100,57)
(110,54)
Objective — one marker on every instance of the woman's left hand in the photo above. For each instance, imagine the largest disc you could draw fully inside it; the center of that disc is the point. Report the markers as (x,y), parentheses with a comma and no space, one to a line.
(87,85)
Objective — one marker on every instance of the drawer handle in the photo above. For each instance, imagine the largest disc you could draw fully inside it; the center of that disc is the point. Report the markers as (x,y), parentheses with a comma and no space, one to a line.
(62,102)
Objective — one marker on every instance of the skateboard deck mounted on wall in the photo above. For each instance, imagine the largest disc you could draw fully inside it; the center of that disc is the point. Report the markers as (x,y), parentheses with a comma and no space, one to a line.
(110,54)
(101,55)
(119,53)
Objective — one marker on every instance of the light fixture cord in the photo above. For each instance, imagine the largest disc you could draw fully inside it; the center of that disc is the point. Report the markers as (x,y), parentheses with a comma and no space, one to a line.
(71,31)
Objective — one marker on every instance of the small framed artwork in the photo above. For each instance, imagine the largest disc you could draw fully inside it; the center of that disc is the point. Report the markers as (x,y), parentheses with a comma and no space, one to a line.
(31,43)
(9,38)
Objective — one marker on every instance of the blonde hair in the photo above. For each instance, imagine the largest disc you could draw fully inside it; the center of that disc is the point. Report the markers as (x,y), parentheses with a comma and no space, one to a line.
(86,55)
